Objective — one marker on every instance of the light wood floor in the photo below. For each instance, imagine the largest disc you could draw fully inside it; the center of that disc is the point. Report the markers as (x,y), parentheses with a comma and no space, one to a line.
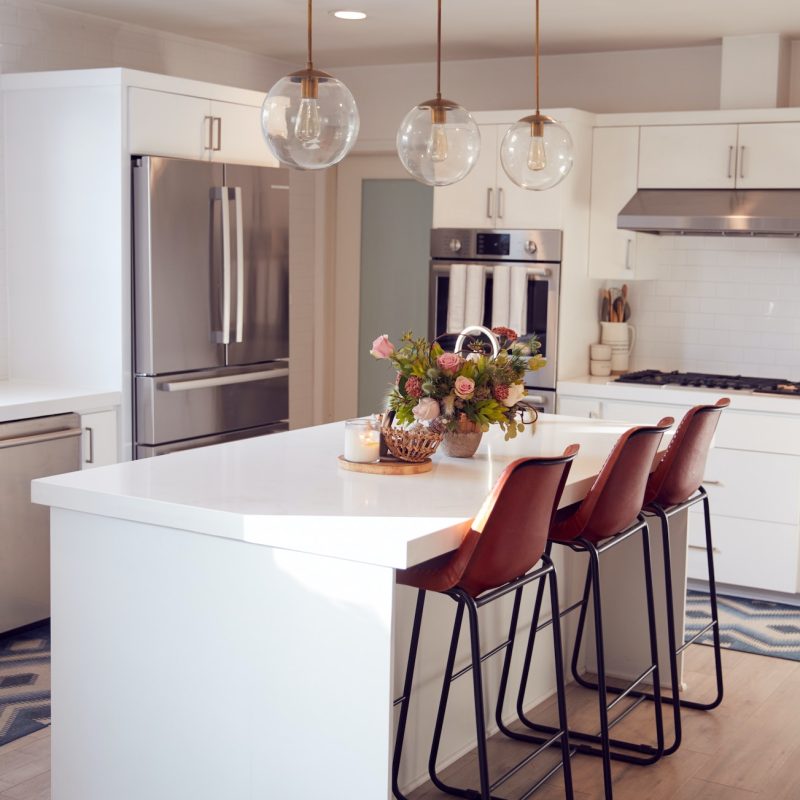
(748,749)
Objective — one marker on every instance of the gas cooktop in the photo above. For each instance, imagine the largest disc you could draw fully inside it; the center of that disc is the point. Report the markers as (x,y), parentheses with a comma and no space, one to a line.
(654,377)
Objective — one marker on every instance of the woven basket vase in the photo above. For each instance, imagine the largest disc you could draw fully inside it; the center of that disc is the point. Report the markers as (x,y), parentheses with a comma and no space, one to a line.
(411,444)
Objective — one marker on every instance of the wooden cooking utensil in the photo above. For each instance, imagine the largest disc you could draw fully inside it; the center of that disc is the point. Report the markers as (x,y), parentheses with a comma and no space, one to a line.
(604,306)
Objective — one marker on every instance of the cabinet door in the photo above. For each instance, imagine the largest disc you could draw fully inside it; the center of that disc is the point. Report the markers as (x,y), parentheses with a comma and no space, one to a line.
(472,202)
(769,156)
(612,252)
(99,439)
(687,156)
(237,135)
(167,124)
(579,407)
(523,208)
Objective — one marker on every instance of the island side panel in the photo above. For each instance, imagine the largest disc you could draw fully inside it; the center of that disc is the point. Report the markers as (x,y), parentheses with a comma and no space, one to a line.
(190,666)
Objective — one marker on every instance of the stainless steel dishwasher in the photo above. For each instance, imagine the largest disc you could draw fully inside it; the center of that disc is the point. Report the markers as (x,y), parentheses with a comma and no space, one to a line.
(30,448)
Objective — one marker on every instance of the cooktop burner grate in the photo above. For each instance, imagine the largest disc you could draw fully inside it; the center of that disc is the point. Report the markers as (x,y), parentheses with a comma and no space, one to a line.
(654,377)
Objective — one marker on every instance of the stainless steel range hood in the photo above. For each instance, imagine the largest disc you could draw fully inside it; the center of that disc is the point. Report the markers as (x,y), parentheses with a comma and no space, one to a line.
(721,212)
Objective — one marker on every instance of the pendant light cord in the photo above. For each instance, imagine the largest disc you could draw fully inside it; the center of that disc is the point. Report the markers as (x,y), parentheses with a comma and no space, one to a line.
(438,52)
(538,111)
(310,62)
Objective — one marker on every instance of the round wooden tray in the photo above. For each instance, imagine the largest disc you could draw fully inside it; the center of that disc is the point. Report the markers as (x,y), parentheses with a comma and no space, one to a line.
(388,466)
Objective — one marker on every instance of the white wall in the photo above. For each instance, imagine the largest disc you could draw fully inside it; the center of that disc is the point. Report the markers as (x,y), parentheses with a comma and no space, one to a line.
(35,37)
(728,306)
(641,80)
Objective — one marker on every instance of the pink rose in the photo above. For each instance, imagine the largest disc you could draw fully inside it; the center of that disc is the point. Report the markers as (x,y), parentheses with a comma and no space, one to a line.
(382,347)
(464,387)
(449,362)
(426,410)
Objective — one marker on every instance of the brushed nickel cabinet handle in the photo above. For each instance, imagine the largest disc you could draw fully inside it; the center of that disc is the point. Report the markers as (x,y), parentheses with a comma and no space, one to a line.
(730,161)
(218,122)
(90,437)
(501,203)
(704,549)
(712,483)
(489,206)
(741,161)
(209,125)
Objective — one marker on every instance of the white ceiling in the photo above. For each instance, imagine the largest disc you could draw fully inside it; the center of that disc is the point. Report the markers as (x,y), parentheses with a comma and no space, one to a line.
(402,31)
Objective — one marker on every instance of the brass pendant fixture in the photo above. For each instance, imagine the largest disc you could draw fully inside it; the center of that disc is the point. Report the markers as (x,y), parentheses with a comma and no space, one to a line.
(309,118)
(438,141)
(536,152)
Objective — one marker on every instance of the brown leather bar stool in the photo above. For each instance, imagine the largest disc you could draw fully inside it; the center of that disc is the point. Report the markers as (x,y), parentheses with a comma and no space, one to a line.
(497,556)
(609,515)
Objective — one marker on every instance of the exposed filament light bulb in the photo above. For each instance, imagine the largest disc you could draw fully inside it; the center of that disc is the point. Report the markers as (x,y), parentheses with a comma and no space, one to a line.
(307,126)
(537,159)
(437,144)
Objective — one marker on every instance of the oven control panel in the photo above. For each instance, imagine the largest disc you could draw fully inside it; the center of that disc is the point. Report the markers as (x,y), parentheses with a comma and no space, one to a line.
(492,244)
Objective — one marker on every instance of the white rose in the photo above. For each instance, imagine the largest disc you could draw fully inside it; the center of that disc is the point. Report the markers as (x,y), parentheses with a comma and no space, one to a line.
(515,393)
(426,410)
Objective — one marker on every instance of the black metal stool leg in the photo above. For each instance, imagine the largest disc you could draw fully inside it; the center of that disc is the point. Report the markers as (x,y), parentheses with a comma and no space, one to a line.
(406,696)
(651,621)
(477,690)
(560,687)
(579,679)
(712,594)
(605,745)
(440,714)
(501,692)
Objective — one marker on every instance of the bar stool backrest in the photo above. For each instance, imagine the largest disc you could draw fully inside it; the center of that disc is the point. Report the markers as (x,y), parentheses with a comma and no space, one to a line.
(510,531)
(680,472)
(615,499)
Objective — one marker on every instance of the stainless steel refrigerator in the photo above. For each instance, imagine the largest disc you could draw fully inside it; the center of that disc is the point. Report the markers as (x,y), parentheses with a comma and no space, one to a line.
(211,303)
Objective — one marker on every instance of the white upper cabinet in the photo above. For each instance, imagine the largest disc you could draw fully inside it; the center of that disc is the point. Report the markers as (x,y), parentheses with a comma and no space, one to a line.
(183,126)
(487,198)
(769,156)
(746,156)
(687,157)
(472,202)
(615,254)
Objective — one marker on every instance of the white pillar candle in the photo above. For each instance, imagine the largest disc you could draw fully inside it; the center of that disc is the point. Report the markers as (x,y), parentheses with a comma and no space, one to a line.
(361,441)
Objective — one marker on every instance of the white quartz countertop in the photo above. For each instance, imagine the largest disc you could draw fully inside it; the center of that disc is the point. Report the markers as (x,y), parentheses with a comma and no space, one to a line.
(25,399)
(609,389)
(287,491)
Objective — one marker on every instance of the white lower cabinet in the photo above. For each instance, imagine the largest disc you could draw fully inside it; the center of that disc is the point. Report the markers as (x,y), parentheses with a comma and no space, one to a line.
(753,481)
(752,553)
(100,435)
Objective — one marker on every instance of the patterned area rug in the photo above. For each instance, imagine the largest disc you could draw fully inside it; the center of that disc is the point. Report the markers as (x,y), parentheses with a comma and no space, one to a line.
(751,626)
(24,683)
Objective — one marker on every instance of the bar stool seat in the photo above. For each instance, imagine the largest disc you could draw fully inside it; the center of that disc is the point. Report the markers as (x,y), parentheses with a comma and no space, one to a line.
(498,555)
(609,515)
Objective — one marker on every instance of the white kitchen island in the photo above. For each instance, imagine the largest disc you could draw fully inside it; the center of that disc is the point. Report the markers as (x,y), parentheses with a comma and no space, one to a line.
(223,618)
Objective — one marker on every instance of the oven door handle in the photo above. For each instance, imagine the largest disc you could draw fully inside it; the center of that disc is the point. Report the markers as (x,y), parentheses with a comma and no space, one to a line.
(535,272)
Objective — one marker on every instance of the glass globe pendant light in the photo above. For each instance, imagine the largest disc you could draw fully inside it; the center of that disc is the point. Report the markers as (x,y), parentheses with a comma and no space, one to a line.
(438,141)
(309,118)
(536,152)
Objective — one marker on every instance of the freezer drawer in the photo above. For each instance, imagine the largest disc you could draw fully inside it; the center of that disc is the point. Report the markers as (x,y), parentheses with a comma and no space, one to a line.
(30,449)
(144,451)
(171,408)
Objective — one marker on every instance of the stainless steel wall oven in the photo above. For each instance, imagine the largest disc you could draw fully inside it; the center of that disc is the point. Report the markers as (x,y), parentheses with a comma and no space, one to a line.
(499,277)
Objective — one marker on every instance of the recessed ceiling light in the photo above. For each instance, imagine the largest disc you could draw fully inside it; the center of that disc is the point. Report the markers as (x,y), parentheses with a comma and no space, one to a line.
(349,15)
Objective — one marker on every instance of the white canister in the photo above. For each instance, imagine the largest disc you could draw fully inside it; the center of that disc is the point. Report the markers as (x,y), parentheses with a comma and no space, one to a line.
(600,352)
(619,363)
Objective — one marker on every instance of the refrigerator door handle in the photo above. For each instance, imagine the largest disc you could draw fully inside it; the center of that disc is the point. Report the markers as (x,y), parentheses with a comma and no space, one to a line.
(222,194)
(221,380)
(237,198)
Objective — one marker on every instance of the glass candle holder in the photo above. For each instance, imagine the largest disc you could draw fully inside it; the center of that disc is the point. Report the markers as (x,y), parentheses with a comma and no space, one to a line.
(362,439)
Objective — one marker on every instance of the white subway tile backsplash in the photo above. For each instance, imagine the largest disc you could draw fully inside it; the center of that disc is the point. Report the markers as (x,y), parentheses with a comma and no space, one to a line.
(723,305)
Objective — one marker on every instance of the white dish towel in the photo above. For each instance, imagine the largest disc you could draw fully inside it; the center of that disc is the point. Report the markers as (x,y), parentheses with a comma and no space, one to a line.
(518,300)
(456,298)
(501,294)
(473,304)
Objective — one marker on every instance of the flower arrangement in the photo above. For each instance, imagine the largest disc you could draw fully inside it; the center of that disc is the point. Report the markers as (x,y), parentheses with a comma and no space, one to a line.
(450,389)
